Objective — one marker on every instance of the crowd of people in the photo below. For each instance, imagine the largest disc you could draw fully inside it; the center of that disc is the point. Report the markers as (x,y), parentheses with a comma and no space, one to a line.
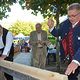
(22,45)
(69,44)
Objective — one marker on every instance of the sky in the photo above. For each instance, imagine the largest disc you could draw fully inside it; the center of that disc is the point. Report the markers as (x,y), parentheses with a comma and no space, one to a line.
(25,15)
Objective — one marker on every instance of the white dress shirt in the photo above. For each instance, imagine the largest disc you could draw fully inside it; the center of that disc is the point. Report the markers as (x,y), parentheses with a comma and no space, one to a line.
(9,40)
(39,38)
(74,24)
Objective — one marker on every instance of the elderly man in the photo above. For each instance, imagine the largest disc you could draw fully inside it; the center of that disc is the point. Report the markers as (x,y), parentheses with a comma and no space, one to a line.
(70,39)
(6,47)
(38,40)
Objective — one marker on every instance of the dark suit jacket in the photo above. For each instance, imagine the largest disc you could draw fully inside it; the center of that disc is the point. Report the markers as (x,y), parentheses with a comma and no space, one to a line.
(63,31)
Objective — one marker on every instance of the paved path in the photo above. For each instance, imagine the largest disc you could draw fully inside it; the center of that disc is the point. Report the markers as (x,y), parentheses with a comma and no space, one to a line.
(23,58)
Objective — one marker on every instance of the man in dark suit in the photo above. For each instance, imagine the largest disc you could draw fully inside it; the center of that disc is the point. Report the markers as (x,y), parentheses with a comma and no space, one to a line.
(6,47)
(70,39)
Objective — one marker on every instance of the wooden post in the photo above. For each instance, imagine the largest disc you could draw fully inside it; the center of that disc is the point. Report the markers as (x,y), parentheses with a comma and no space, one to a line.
(32,71)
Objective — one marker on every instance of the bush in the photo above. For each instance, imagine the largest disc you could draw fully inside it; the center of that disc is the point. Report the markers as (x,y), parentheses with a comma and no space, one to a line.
(52,39)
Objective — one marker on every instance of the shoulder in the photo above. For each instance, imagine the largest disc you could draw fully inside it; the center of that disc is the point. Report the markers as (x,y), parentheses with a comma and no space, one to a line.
(33,32)
(43,31)
(67,22)
(9,32)
(5,30)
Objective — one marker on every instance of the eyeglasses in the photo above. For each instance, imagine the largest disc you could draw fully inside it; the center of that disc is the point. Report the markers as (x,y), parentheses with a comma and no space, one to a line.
(72,16)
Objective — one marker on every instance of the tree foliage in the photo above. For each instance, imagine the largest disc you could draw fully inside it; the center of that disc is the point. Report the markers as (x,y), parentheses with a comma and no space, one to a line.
(26,27)
(44,6)
(22,27)
(5,7)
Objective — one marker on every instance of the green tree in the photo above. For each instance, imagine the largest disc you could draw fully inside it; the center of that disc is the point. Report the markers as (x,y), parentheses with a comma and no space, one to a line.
(26,27)
(44,6)
(5,7)
(22,27)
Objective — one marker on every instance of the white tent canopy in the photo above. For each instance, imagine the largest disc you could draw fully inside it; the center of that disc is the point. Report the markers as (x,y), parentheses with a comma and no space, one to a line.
(20,35)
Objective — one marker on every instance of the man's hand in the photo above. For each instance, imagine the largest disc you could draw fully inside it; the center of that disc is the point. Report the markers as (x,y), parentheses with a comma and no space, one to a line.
(71,68)
(2,57)
(38,42)
(43,42)
(50,23)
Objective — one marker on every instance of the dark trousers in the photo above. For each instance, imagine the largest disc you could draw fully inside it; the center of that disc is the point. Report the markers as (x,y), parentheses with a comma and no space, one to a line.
(8,77)
(74,76)
(9,58)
